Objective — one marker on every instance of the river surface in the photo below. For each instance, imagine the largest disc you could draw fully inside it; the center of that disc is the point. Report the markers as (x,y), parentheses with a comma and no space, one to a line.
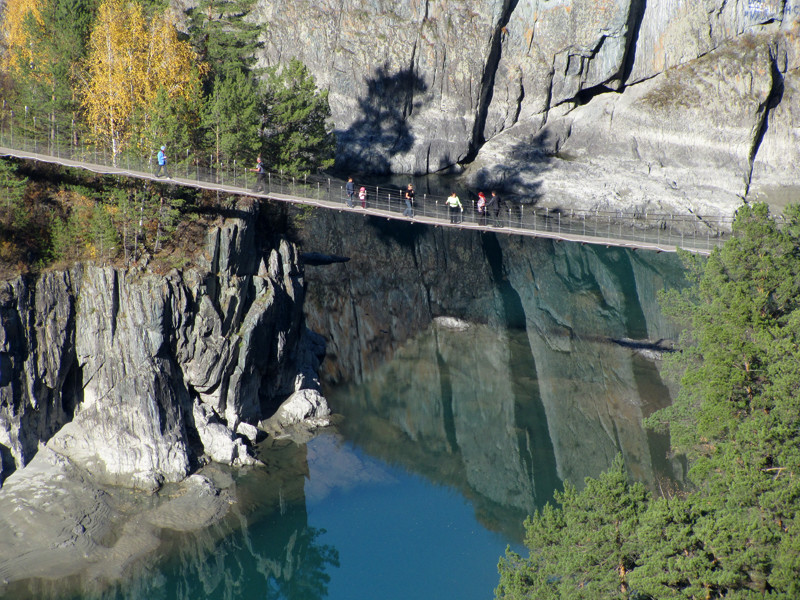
(438,453)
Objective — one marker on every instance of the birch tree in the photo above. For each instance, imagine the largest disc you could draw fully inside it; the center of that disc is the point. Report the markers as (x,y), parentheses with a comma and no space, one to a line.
(130,59)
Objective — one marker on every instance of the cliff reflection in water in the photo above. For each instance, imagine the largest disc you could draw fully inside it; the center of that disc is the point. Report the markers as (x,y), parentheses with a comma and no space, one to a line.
(451,406)
(536,391)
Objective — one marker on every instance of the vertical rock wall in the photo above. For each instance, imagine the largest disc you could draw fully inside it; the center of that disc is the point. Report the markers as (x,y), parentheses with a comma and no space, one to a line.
(138,376)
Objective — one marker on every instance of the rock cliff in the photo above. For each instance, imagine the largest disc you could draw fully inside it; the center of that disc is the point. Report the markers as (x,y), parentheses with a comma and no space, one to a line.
(139,377)
(659,105)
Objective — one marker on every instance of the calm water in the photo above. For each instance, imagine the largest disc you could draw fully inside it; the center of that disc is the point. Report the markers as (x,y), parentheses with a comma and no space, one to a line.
(439,454)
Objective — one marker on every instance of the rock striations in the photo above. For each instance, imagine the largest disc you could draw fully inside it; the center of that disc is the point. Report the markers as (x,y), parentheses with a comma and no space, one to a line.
(138,377)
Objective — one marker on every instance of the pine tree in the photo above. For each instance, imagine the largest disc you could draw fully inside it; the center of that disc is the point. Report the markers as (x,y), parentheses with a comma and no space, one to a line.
(46,45)
(586,548)
(13,213)
(171,121)
(735,533)
(297,133)
(223,37)
(231,119)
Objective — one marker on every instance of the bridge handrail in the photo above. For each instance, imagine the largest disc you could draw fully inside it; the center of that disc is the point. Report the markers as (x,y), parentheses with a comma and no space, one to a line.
(53,138)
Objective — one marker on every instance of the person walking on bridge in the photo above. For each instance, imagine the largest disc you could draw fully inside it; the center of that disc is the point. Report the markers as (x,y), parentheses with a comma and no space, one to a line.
(261,176)
(409,198)
(480,206)
(350,188)
(162,163)
(494,205)
(362,195)
(454,204)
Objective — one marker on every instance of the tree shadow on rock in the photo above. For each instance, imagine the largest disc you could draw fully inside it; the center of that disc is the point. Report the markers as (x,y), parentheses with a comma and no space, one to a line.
(382,129)
(517,178)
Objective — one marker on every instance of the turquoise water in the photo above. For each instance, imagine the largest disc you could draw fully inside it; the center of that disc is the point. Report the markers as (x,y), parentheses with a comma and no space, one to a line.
(352,526)
(400,536)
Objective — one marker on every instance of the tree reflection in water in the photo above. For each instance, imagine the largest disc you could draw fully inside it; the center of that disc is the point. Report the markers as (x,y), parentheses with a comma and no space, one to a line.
(272,553)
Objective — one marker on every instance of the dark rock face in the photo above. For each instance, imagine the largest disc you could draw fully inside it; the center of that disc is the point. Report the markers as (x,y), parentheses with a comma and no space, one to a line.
(136,376)
(664,105)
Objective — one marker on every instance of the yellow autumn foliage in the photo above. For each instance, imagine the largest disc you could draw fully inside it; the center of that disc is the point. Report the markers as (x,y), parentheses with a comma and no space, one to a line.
(130,58)
(19,50)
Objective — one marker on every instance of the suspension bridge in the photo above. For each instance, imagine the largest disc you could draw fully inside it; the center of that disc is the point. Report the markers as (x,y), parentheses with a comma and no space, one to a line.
(657,232)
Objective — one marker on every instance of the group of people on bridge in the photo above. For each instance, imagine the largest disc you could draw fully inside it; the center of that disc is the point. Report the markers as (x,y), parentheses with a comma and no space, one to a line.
(484,207)
(350,188)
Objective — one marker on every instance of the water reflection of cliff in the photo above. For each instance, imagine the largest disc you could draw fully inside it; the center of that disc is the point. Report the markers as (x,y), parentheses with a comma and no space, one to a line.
(535,392)
(266,549)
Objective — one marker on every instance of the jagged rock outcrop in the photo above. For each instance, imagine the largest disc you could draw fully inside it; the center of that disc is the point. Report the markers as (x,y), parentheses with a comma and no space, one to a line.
(664,105)
(136,376)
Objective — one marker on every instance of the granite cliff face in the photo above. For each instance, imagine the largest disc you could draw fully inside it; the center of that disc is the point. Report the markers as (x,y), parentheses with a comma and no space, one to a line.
(139,377)
(659,105)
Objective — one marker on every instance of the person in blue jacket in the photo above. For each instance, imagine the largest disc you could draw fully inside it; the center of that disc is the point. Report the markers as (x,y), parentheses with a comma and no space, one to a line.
(162,163)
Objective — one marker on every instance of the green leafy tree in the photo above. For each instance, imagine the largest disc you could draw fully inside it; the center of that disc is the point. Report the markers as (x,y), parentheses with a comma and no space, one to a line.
(168,217)
(46,47)
(297,132)
(735,533)
(173,121)
(104,239)
(14,214)
(586,548)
